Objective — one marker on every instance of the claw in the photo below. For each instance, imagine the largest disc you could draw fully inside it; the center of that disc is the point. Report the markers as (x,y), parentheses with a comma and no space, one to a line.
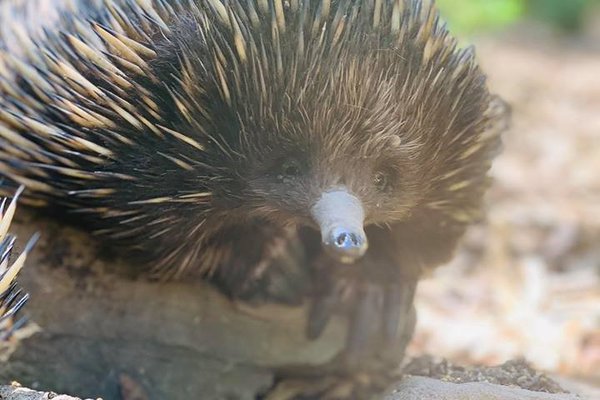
(320,313)
(392,310)
(365,322)
(398,299)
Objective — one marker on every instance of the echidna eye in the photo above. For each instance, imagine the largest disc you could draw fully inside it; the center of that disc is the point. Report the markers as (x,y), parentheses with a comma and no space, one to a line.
(381,180)
(289,169)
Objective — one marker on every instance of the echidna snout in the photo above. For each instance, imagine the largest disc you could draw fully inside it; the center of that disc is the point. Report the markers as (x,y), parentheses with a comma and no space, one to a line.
(340,217)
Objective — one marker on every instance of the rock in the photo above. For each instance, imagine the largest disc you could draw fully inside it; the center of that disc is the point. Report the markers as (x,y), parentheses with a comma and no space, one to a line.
(430,379)
(184,340)
(176,339)
(15,392)
(424,388)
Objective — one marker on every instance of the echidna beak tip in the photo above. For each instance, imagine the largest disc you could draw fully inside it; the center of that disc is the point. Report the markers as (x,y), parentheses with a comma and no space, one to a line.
(346,245)
(340,216)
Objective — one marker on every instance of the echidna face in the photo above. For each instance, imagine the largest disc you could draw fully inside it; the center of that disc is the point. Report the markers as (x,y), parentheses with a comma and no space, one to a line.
(336,178)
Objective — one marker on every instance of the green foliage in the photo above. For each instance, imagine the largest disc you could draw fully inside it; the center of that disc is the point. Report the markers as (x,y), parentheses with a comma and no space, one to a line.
(469,16)
(565,14)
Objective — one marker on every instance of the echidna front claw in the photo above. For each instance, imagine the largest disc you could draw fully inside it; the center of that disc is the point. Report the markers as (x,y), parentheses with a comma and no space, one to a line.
(381,324)
(365,323)
(321,310)
(399,316)
(380,311)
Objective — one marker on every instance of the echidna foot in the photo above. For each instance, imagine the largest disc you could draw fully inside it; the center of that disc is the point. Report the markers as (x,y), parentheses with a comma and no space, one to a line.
(281,276)
(381,317)
(269,268)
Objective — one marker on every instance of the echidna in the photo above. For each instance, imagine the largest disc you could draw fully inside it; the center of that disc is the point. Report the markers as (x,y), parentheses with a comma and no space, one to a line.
(12,298)
(202,136)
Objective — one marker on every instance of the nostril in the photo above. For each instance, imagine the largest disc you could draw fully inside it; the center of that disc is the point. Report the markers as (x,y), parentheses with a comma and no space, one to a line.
(346,245)
(341,239)
(347,240)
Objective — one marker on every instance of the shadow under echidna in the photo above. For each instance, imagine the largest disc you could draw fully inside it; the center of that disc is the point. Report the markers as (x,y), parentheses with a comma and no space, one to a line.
(288,151)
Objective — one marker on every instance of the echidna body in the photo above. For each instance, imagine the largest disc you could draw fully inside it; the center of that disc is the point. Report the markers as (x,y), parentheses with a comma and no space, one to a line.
(200,134)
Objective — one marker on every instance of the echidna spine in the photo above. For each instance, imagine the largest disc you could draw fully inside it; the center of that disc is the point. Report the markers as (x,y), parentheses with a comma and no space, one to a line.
(12,297)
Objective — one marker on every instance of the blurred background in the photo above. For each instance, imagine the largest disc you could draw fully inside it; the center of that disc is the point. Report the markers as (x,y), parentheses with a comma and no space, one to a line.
(526,282)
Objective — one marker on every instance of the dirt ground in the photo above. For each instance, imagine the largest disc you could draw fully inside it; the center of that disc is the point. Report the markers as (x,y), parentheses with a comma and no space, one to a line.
(526,282)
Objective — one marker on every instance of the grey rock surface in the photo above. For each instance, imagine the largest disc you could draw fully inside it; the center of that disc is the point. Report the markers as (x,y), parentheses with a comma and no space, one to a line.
(177,339)
(20,393)
(424,388)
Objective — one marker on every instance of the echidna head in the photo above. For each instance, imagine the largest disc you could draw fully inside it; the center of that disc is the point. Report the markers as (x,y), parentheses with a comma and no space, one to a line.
(343,148)
(336,166)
